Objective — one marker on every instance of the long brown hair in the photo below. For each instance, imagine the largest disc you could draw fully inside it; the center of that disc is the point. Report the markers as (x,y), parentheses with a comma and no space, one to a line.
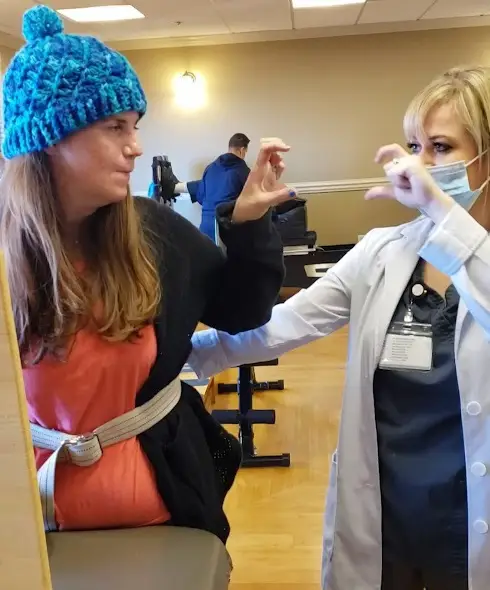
(51,299)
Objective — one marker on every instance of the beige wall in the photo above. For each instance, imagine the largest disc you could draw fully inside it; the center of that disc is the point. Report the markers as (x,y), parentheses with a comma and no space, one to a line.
(335,100)
(6,54)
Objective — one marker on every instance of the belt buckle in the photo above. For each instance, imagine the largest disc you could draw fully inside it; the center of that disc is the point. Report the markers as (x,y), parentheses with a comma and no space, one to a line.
(81,439)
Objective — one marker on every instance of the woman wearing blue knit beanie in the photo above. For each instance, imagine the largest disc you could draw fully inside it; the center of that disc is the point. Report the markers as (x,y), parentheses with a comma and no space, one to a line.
(107,291)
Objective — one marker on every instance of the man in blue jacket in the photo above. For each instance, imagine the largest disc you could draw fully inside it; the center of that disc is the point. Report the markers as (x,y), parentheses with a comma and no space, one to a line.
(223,180)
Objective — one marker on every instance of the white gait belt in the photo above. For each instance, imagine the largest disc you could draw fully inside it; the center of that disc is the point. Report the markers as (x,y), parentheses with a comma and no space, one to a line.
(86,449)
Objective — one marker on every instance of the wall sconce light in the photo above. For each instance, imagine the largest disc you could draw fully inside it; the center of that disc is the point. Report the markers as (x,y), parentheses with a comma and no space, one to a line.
(189,77)
(189,90)
(186,82)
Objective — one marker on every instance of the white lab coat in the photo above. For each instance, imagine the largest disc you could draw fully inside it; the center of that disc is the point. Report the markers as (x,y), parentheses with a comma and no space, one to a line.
(363,289)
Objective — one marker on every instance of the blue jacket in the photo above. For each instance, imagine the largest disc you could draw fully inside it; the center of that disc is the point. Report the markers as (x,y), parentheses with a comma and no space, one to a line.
(223,180)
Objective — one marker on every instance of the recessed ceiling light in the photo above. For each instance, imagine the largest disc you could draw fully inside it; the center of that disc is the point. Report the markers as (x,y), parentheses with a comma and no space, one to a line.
(102,13)
(324,3)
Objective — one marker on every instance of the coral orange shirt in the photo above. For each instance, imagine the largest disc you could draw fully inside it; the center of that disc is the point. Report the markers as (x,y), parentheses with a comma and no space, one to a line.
(98,382)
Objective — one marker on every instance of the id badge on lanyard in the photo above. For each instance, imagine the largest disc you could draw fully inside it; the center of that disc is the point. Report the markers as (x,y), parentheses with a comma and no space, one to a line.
(408,344)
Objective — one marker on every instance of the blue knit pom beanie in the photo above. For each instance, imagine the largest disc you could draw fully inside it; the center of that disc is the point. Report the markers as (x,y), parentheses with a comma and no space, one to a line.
(57,84)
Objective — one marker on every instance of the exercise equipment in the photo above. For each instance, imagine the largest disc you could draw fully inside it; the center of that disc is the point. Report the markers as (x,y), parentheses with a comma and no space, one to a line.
(304,267)
(162,188)
(291,221)
(246,416)
(305,262)
(24,561)
(154,558)
(256,385)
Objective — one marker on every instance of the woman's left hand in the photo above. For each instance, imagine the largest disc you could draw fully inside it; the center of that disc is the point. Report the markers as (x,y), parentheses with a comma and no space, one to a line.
(410,183)
(263,188)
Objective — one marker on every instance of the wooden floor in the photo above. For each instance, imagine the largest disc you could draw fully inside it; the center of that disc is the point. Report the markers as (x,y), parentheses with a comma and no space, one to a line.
(277,514)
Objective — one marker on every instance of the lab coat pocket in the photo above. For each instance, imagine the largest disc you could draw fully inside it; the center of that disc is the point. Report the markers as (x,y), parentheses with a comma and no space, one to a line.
(330,514)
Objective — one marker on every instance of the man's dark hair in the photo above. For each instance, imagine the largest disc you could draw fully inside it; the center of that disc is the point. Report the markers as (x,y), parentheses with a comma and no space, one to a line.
(239,140)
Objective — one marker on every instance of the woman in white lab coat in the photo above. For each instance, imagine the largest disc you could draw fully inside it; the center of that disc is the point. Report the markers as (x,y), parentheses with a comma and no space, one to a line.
(408,506)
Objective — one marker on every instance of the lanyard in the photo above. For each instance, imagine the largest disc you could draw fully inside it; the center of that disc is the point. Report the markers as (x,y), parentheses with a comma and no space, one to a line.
(417,291)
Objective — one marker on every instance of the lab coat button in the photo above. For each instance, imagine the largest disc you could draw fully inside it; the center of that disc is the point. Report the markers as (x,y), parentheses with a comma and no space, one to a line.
(479,469)
(473,408)
(481,527)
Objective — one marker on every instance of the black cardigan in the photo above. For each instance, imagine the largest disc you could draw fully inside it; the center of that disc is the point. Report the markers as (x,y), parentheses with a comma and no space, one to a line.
(194,459)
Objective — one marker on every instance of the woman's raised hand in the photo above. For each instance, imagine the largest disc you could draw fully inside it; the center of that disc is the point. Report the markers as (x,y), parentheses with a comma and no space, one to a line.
(409,183)
(263,188)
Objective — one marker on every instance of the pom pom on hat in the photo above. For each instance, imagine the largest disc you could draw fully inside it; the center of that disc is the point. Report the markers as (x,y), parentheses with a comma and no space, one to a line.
(41,22)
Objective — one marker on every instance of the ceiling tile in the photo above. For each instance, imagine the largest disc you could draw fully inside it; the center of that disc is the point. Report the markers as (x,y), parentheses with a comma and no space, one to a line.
(458,8)
(244,16)
(385,11)
(174,9)
(201,18)
(73,27)
(196,17)
(160,28)
(336,16)
(61,4)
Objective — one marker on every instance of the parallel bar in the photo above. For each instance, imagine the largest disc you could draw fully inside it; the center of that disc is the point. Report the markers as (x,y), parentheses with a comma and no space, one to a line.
(23,552)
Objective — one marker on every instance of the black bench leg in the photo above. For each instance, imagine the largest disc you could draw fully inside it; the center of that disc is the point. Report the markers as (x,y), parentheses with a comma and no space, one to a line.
(246,417)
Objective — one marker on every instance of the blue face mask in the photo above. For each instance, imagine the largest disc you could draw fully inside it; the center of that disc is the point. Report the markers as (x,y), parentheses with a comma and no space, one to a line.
(453,180)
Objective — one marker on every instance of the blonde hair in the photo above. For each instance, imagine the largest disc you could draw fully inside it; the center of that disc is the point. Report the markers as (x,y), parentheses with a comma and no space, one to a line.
(51,300)
(467,89)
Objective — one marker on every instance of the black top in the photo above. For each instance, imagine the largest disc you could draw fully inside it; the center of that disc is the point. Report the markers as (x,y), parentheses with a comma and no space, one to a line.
(421,447)
(195,460)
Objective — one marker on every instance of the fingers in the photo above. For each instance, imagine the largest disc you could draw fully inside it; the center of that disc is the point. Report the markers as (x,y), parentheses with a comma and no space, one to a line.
(279,169)
(402,172)
(276,161)
(380,192)
(387,153)
(266,140)
(398,174)
(269,152)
